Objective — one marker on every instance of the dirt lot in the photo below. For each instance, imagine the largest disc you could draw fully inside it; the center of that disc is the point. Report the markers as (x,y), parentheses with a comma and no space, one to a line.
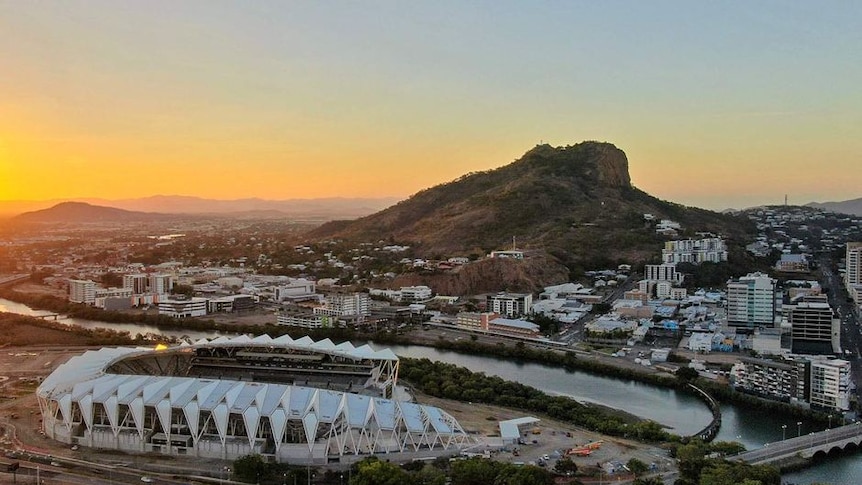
(551,437)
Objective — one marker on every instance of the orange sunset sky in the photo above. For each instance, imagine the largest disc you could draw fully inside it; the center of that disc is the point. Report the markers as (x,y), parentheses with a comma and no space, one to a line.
(726,104)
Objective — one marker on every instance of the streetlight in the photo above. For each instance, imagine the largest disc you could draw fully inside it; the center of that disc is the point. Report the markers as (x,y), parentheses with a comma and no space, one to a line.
(798,429)
(783,432)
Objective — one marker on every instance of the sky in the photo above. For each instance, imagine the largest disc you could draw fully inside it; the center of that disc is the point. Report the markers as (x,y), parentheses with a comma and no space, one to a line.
(716,104)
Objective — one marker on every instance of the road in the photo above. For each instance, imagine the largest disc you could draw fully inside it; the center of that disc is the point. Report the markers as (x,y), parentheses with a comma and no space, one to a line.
(851,331)
(791,446)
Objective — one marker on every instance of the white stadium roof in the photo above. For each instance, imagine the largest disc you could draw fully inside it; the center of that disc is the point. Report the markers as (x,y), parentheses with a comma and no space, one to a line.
(83,403)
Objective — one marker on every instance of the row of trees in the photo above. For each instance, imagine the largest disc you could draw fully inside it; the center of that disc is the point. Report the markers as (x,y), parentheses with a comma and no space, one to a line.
(458,383)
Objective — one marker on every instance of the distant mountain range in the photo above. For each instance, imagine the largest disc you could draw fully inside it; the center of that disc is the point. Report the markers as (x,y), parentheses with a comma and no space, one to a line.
(321,209)
(575,203)
(853,207)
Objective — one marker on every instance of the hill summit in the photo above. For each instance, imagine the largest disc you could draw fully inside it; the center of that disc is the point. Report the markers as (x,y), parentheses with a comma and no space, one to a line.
(575,202)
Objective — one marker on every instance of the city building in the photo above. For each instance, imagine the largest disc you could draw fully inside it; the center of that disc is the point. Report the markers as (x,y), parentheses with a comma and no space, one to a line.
(82,291)
(415,293)
(296,289)
(830,384)
(781,380)
(229,304)
(113,298)
(751,301)
(514,327)
(853,264)
(345,305)
(510,304)
(289,401)
(712,249)
(304,320)
(161,284)
(662,272)
(475,320)
(179,307)
(792,263)
(815,329)
(136,282)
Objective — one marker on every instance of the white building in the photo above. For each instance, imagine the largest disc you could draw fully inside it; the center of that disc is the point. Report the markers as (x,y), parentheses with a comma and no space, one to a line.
(161,284)
(82,291)
(345,305)
(510,304)
(304,320)
(415,293)
(183,307)
(830,384)
(751,301)
(135,282)
(662,272)
(712,249)
(853,276)
(295,289)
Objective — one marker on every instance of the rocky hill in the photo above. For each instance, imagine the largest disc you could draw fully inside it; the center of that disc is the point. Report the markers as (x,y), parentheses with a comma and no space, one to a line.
(575,203)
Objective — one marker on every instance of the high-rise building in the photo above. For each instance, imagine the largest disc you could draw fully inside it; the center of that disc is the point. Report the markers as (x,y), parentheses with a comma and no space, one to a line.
(662,272)
(830,384)
(135,282)
(82,291)
(751,301)
(814,328)
(161,284)
(854,264)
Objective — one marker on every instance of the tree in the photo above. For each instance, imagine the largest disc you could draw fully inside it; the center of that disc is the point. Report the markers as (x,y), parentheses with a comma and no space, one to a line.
(475,471)
(249,468)
(566,466)
(686,374)
(429,475)
(637,467)
(648,481)
(372,471)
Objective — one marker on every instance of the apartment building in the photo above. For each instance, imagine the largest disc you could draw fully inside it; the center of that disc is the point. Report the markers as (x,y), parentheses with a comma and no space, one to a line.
(510,304)
(751,301)
(853,276)
(136,282)
(82,291)
(712,249)
(345,305)
(830,384)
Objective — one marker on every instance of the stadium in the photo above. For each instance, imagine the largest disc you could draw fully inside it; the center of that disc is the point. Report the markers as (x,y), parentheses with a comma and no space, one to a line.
(291,401)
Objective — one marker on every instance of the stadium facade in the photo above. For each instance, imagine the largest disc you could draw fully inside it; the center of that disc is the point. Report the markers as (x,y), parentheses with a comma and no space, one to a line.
(293,401)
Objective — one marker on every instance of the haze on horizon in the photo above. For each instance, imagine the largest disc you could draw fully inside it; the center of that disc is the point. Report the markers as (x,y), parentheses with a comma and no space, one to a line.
(717,105)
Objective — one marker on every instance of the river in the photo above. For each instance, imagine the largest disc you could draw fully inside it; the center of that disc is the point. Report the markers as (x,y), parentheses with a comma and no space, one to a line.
(682,413)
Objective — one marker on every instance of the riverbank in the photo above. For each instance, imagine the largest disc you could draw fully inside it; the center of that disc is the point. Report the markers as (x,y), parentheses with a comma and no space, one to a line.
(519,351)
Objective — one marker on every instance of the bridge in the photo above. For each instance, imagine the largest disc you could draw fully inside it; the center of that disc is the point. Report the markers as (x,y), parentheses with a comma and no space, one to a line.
(53,316)
(11,279)
(806,446)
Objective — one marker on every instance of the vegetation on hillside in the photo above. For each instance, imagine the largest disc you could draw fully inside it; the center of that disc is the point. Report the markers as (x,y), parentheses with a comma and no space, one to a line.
(575,203)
